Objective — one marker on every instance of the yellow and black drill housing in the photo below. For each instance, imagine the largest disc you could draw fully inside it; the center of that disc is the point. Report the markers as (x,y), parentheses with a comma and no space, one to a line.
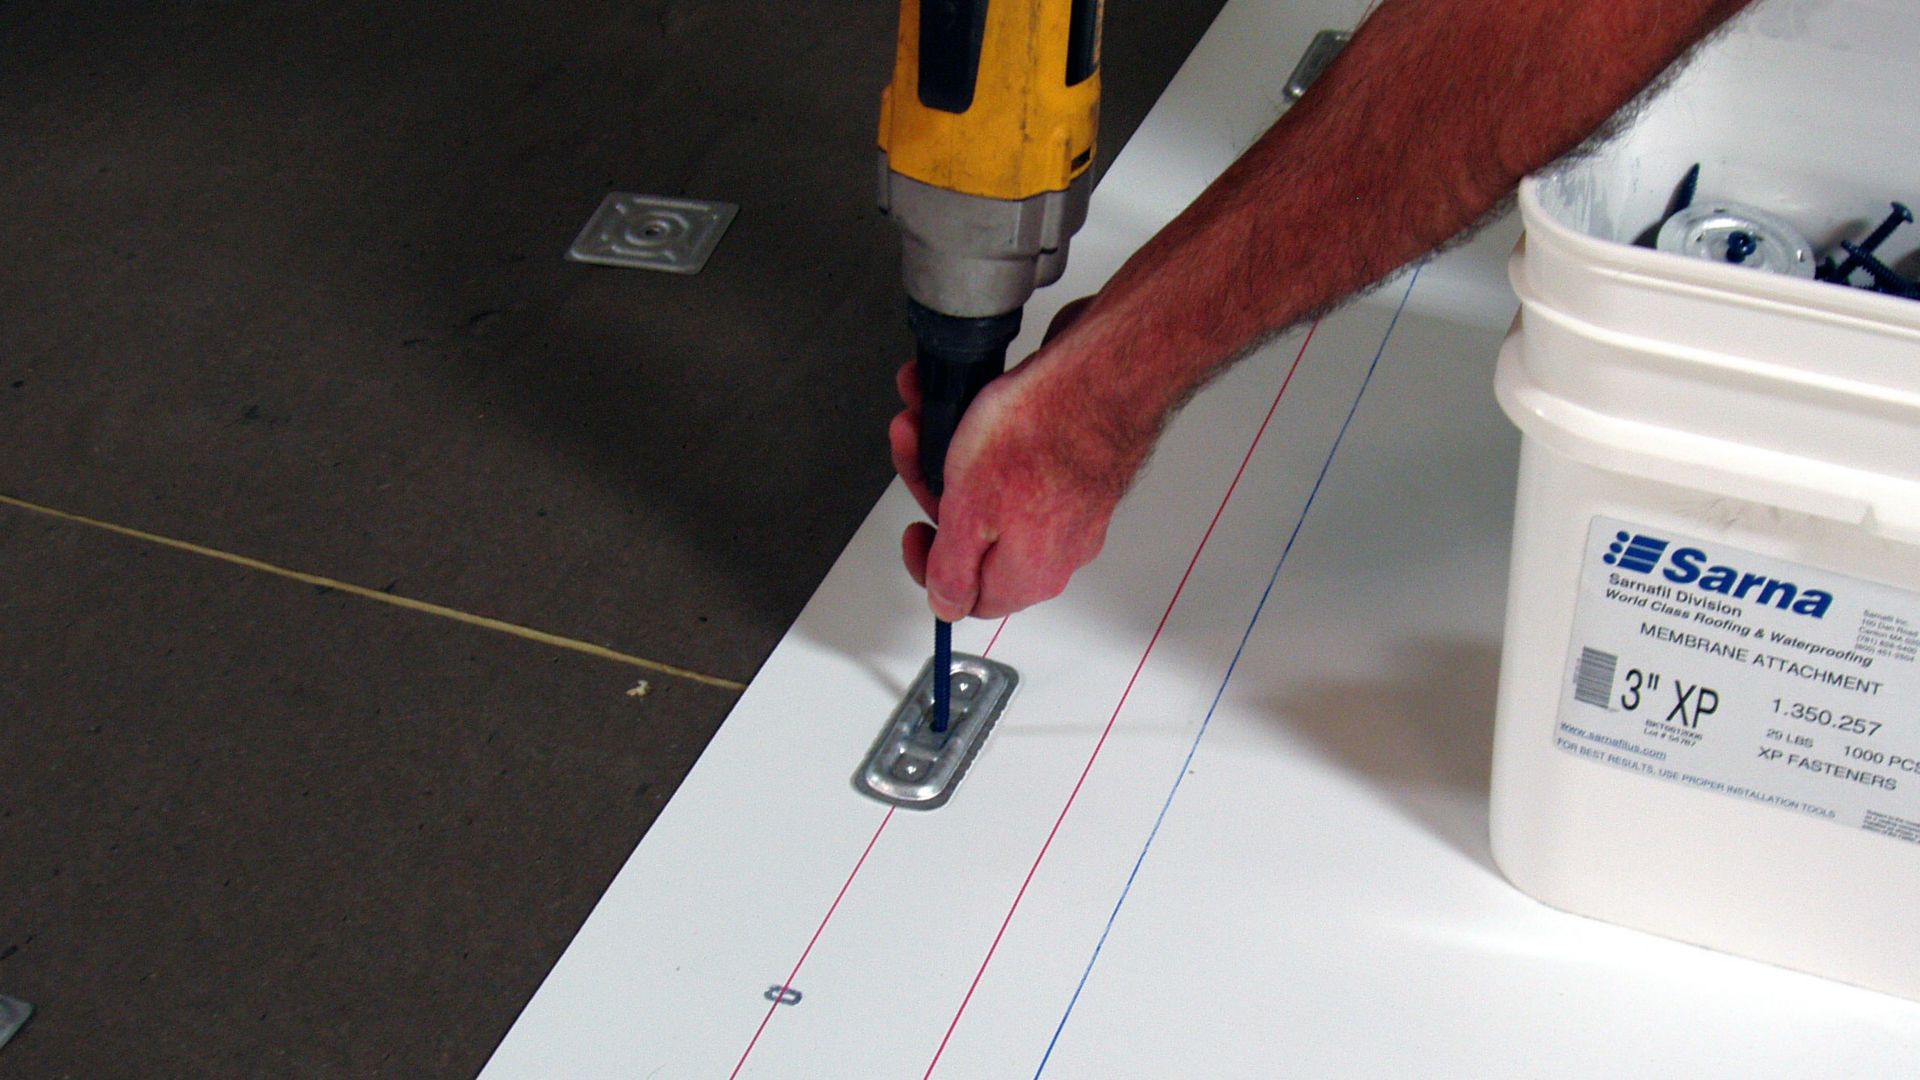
(994,98)
(987,145)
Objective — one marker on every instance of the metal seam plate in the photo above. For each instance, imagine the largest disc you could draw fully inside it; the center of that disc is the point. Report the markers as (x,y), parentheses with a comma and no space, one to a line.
(915,767)
(653,232)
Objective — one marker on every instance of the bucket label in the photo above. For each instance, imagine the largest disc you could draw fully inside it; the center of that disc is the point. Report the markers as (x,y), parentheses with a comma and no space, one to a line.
(1751,677)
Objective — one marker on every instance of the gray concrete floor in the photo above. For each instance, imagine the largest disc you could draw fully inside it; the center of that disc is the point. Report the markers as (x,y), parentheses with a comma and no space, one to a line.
(284,283)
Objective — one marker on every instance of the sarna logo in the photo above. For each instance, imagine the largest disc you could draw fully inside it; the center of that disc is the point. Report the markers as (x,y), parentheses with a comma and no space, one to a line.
(1641,554)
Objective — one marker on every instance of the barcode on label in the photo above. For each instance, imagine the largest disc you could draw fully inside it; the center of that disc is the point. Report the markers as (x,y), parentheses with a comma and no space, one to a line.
(1593,677)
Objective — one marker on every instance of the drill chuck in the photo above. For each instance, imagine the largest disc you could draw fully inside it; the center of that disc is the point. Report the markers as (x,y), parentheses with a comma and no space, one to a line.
(955,358)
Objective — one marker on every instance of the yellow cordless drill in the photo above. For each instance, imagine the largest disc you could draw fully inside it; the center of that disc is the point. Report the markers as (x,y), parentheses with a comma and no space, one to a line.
(986,152)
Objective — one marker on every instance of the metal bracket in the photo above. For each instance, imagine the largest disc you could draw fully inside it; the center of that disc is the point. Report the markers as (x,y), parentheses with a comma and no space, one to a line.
(13,1015)
(653,232)
(1320,52)
(916,767)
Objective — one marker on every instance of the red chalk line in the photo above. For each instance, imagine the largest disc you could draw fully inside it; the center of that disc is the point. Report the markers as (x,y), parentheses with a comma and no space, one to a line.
(795,973)
(1084,772)
(1121,704)
(831,908)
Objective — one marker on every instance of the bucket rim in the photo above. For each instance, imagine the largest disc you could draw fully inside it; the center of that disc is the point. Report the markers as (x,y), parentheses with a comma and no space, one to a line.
(1669,273)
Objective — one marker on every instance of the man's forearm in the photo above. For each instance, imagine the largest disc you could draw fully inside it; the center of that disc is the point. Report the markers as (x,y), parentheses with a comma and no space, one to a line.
(1424,124)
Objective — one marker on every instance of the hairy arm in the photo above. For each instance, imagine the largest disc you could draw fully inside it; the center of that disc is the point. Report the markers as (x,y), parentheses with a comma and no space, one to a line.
(1424,124)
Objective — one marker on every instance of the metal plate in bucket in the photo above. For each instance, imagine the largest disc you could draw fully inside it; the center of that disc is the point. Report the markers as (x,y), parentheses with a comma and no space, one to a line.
(914,766)
(1710,230)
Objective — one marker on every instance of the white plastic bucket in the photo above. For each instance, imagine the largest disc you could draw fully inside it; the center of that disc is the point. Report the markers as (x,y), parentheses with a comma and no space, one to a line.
(1709,712)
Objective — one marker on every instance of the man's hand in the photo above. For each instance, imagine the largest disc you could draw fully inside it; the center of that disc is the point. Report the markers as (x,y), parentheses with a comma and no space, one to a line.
(1030,485)
(1427,119)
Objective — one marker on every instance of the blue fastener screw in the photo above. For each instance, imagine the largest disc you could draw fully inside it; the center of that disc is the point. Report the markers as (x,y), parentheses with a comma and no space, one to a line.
(942,675)
(1885,280)
(1683,195)
(1740,246)
(1856,253)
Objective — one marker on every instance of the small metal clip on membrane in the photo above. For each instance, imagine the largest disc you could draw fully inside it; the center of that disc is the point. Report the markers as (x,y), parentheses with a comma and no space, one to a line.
(914,766)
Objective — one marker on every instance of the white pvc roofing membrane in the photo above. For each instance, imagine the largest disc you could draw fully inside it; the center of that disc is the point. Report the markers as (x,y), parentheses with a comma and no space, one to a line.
(1233,823)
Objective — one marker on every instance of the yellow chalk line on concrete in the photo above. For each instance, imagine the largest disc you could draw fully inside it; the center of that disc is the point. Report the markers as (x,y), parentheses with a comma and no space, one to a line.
(422,606)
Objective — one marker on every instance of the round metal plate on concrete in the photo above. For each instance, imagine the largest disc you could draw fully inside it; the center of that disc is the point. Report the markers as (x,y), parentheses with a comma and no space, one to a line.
(653,232)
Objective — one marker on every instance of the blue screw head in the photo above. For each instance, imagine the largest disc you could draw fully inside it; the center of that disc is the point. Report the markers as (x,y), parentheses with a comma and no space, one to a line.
(1741,246)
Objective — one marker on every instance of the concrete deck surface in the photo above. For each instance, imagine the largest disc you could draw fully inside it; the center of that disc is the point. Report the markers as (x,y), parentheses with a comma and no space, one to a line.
(285,317)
